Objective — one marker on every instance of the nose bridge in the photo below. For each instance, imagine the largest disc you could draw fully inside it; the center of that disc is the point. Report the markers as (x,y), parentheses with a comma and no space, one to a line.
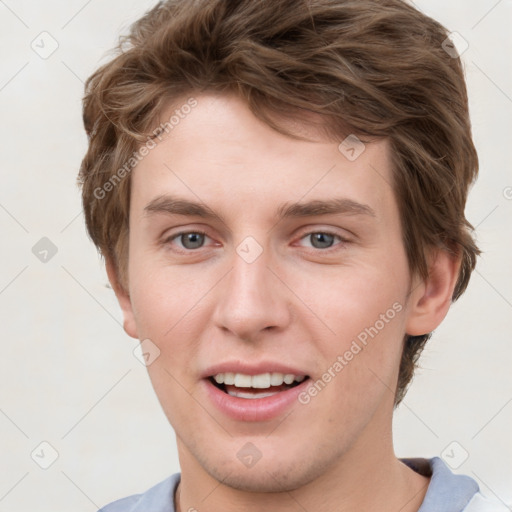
(251,298)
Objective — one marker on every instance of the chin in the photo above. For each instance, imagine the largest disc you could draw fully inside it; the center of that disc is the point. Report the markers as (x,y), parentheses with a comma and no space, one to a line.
(265,480)
(278,472)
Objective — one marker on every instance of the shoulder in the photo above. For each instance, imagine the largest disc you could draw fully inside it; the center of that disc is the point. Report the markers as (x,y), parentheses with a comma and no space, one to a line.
(448,492)
(159,498)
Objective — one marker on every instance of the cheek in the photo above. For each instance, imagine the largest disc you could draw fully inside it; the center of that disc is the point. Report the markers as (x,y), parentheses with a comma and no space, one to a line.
(163,304)
(170,306)
(352,300)
(359,353)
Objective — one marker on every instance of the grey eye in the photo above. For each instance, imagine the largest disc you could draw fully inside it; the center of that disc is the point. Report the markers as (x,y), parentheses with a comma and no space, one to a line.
(321,240)
(192,240)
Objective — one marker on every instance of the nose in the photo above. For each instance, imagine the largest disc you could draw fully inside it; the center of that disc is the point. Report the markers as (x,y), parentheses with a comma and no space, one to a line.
(252,298)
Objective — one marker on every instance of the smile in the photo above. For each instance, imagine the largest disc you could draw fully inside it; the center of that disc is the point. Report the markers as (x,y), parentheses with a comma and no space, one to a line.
(254,397)
(252,387)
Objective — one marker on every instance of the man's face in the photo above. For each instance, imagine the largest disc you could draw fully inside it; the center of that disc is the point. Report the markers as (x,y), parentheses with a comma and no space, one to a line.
(319,296)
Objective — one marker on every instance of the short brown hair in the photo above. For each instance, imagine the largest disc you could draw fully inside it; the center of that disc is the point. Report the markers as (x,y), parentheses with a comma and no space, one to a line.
(375,68)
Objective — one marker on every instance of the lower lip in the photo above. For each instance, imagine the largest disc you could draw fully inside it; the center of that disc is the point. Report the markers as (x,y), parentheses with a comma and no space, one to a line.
(254,409)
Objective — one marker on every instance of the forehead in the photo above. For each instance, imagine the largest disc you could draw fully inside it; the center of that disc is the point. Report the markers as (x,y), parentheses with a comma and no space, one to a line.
(219,153)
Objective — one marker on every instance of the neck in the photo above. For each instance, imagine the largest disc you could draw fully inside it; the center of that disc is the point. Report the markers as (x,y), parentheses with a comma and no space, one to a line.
(369,477)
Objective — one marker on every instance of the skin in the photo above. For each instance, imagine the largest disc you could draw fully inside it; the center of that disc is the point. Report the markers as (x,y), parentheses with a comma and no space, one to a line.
(296,303)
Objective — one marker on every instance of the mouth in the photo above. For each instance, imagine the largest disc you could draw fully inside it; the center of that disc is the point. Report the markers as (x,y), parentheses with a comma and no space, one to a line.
(259,386)
(254,392)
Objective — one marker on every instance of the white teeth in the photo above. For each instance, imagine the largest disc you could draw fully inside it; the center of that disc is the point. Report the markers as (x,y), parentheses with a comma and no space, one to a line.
(288,378)
(229,378)
(242,394)
(276,379)
(261,381)
(242,381)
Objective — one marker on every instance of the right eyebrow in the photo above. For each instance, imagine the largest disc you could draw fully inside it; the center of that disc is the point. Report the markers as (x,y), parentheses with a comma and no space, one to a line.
(178,206)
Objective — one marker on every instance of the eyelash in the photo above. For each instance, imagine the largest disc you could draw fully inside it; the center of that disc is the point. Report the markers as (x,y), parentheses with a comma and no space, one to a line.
(343,241)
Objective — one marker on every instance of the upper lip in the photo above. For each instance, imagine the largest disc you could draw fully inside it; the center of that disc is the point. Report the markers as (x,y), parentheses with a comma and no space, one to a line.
(251,368)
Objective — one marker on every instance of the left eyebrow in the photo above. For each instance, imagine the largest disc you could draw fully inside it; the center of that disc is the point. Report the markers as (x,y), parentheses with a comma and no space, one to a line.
(340,205)
(173,205)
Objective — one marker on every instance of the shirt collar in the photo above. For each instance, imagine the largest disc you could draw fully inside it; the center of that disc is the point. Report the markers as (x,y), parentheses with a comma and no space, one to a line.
(447,491)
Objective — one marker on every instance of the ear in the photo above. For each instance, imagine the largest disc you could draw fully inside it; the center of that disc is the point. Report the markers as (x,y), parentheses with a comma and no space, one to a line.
(431,298)
(123,298)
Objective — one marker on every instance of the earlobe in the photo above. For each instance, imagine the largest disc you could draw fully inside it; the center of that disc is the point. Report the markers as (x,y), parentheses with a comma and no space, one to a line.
(431,298)
(123,298)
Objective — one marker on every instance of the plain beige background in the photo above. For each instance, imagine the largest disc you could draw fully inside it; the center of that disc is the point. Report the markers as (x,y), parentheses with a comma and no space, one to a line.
(69,377)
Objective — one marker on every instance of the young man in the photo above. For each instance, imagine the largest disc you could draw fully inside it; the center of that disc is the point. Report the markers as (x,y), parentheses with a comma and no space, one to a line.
(278,189)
